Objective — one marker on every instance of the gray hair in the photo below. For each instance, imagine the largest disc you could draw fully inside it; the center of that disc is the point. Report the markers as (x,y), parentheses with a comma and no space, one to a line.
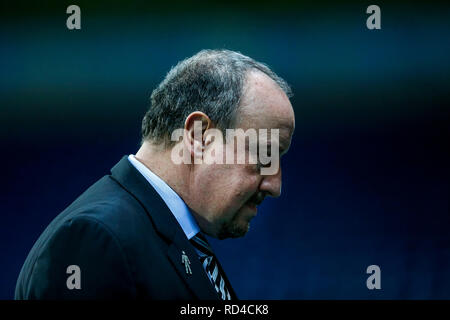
(212,82)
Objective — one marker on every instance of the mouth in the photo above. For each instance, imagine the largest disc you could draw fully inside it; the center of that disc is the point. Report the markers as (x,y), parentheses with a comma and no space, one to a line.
(255,201)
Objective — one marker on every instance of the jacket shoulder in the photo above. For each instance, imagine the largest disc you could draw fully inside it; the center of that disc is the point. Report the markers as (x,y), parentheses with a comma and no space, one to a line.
(98,230)
(82,259)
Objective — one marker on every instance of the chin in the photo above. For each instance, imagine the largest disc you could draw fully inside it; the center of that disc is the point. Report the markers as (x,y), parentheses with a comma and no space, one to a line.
(235,229)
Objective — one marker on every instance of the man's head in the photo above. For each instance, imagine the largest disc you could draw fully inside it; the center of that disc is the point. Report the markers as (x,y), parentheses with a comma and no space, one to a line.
(222,90)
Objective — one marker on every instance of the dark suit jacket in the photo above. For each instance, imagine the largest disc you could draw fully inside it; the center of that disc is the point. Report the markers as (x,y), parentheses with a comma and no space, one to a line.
(126,242)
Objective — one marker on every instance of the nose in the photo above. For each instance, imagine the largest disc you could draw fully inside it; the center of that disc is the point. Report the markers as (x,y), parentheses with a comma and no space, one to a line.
(271,184)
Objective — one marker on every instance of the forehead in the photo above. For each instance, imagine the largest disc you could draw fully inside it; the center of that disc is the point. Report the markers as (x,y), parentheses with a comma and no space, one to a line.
(264,105)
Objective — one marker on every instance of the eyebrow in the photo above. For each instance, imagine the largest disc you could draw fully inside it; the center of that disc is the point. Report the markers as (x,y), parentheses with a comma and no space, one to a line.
(285,149)
(282,151)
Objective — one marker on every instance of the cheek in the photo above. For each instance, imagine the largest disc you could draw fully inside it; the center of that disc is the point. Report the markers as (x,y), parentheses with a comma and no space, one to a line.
(220,184)
(245,187)
(229,187)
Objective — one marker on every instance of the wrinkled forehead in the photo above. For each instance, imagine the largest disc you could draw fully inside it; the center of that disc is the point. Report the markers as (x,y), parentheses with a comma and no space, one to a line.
(264,105)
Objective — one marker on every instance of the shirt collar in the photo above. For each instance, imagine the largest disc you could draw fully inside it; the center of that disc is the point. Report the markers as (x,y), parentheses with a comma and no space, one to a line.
(173,201)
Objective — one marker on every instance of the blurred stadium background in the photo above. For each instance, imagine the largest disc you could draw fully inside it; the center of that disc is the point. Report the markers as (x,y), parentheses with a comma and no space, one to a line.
(366,180)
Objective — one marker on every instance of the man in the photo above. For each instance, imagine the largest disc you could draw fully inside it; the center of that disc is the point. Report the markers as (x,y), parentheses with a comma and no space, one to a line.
(139,232)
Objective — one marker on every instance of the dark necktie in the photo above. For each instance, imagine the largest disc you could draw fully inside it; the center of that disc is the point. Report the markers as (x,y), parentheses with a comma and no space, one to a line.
(209,262)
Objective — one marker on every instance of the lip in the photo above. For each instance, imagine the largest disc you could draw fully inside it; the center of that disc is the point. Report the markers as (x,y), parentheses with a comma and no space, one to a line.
(252,206)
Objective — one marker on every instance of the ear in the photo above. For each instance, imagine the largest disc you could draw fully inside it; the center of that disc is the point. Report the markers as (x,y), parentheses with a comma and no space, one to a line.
(194,134)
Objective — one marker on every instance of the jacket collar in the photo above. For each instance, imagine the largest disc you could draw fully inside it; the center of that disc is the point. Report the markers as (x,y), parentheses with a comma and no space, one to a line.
(167,226)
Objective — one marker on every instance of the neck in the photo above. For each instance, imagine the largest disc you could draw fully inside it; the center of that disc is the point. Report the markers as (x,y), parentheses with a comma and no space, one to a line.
(158,160)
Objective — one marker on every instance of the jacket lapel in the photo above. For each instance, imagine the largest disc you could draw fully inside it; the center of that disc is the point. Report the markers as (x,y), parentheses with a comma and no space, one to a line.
(167,226)
(198,281)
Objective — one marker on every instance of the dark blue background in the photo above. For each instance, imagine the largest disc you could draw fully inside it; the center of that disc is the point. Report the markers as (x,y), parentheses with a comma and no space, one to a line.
(366,180)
